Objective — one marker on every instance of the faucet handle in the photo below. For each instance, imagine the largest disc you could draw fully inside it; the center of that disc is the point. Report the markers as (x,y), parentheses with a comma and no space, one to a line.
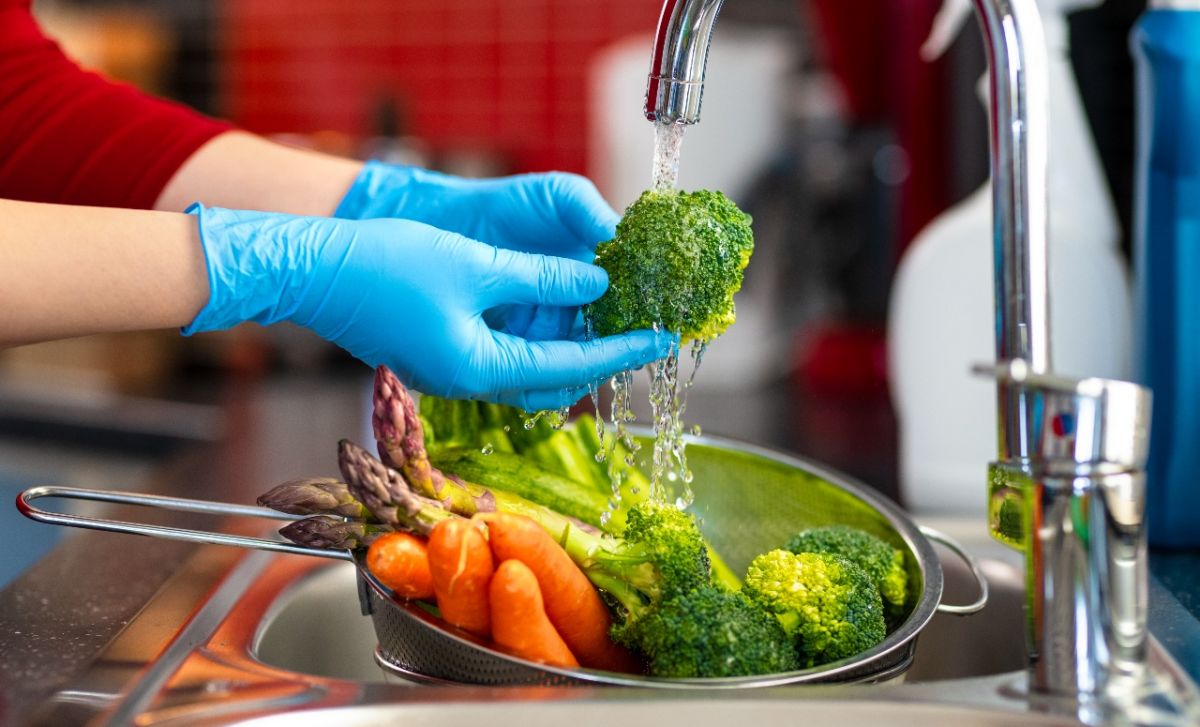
(1081,426)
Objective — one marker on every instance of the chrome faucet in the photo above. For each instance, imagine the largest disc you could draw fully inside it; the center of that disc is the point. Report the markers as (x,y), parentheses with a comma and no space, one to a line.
(1072,451)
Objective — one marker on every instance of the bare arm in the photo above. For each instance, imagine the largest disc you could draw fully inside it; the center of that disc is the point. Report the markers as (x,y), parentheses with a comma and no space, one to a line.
(71,271)
(242,171)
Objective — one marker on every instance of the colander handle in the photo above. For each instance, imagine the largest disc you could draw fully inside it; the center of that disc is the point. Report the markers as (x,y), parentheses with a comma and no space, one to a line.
(179,504)
(977,605)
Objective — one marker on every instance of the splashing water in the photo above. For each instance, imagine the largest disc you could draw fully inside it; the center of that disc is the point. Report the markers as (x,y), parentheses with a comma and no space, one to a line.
(670,476)
(556,418)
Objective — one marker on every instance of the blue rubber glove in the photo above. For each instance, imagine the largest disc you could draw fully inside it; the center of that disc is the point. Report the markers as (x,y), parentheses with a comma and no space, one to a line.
(412,296)
(551,214)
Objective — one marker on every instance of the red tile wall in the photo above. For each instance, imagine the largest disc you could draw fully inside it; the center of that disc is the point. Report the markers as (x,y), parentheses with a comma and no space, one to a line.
(505,75)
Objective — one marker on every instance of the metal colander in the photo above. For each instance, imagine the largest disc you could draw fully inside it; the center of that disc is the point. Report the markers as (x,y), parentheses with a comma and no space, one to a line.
(748,500)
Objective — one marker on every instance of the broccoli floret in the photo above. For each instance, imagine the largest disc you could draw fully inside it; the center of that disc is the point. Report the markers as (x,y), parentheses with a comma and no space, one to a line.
(676,262)
(883,563)
(710,632)
(660,555)
(825,602)
(668,607)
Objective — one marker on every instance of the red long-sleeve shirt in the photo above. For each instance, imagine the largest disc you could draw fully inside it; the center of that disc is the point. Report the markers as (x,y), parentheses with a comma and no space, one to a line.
(72,137)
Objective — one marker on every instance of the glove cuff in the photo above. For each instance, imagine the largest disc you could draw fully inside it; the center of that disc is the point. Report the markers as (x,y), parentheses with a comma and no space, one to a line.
(377,191)
(251,276)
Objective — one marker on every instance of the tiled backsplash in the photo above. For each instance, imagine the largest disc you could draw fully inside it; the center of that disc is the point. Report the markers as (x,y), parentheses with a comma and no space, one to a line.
(505,76)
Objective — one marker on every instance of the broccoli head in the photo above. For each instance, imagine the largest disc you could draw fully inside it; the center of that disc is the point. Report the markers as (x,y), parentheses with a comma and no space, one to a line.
(676,262)
(828,605)
(668,608)
(660,554)
(709,632)
(883,563)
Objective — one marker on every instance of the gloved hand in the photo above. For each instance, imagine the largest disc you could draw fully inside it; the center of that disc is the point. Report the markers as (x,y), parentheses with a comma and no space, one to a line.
(552,214)
(412,296)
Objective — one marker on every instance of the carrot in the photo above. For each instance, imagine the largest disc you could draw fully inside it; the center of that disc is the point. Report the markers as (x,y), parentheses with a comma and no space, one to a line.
(461,564)
(572,603)
(519,622)
(400,562)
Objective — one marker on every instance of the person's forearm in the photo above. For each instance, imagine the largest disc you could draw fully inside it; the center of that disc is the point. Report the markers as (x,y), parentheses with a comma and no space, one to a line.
(71,271)
(241,171)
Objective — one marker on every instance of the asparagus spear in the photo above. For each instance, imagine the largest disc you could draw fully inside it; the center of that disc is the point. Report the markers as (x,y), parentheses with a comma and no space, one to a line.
(384,491)
(316,496)
(402,445)
(326,532)
(401,441)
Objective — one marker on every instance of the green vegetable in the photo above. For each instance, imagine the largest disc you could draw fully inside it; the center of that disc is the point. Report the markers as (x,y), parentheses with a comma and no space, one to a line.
(515,474)
(326,532)
(676,262)
(669,608)
(315,496)
(711,632)
(883,563)
(826,603)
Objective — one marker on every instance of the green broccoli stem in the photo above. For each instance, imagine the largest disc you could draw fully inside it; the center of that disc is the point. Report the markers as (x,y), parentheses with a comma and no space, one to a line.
(635,486)
(494,427)
(511,473)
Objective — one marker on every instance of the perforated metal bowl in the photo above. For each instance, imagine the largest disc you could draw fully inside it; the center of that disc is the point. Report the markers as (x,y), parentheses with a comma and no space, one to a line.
(749,500)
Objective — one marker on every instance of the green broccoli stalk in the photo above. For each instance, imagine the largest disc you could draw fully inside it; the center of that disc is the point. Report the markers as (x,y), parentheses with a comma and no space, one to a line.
(883,563)
(825,602)
(676,262)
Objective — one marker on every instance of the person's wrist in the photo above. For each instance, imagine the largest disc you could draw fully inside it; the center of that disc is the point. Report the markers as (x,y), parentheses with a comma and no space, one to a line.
(377,191)
(251,274)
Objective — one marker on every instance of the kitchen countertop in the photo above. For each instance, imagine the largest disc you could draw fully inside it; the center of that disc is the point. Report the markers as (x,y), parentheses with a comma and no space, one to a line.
(58,616)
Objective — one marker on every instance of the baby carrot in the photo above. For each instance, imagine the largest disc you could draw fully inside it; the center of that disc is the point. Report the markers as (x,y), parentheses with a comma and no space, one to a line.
(400,562)
(572,603)
(519,622)
(461,564)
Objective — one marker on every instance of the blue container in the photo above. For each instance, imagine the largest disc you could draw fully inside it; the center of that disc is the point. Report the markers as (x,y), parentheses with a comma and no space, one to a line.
(1166,46)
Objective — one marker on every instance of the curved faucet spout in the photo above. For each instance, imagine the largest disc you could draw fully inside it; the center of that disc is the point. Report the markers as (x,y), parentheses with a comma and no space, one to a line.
(676,82)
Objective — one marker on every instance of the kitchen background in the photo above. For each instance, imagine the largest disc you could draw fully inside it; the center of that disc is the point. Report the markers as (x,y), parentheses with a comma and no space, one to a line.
(821,119)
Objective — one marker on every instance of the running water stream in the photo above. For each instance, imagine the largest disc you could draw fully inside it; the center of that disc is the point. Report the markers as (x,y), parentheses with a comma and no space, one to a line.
(670,478)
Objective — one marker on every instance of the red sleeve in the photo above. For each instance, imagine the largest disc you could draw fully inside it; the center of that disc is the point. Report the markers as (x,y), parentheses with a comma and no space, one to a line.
(71,137)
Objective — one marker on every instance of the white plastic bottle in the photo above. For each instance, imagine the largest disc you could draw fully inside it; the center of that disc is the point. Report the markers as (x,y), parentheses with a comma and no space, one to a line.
(942,317)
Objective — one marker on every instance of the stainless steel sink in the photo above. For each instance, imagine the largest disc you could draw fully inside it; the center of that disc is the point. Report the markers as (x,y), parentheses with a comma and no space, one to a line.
(280,640)
(695,713)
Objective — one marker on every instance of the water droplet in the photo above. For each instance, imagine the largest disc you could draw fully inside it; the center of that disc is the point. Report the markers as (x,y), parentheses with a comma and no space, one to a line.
(600,456)
(488,448)
(507,428)
(695,430)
